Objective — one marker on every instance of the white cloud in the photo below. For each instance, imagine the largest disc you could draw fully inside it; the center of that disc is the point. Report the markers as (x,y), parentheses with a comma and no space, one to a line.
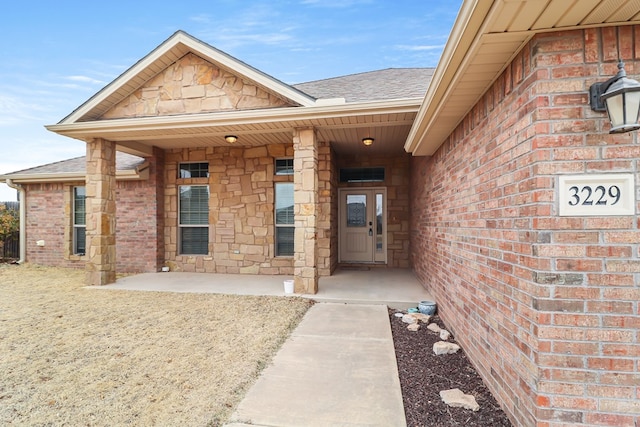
(85,79)
(418,48)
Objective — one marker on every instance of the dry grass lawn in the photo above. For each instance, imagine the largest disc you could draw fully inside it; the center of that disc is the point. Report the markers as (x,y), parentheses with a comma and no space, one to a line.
(75,356)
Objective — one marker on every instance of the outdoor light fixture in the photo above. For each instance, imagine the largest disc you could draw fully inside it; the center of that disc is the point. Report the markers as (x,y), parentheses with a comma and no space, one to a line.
(231,139)
(620,98)
(367,141)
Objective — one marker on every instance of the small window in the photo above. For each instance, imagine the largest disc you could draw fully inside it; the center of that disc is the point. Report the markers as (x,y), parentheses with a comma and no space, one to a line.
(194,219)
(194,170)
(284,166)
(79,221)
(362,175)
(285,227)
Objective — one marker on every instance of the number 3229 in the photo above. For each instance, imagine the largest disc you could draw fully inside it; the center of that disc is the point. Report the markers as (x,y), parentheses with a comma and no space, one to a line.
(588,196)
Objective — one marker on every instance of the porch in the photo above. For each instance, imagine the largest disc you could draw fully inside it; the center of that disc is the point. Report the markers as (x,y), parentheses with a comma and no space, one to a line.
(394,287)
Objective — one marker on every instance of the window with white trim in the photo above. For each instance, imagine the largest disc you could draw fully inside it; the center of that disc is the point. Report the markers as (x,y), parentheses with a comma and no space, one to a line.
(284,219)
(79,238)
(193,221)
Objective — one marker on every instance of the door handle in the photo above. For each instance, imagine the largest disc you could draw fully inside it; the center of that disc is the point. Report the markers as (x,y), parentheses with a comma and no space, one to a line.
(370,231)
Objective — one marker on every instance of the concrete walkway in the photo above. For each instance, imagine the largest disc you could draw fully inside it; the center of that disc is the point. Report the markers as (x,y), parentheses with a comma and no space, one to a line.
(338,368)
(395,287)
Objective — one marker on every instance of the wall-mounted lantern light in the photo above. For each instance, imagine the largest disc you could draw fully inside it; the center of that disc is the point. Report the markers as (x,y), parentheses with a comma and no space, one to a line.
(620,98)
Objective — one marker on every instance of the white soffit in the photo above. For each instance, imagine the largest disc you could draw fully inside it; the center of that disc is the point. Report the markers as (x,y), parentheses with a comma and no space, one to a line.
(486,36)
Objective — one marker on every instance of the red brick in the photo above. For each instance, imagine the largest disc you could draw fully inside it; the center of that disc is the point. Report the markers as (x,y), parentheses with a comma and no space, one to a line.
(578,265)
(611,364)
(610,420)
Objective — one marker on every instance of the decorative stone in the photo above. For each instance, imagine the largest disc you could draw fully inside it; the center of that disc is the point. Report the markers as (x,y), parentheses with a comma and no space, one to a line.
(442,347)
(444,334)
(399,314)
(457,399)
(415,317)
(408,318)
(433,327)
(413,327)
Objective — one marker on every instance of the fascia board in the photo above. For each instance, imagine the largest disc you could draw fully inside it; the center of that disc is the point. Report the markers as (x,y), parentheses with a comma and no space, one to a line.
(237,117)
(470,19)
(121,175)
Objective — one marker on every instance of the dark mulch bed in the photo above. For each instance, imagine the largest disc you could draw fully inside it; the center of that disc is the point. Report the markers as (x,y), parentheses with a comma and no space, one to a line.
(423,375)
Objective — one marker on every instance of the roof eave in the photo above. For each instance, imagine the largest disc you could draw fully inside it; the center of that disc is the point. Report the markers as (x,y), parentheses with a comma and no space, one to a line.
(136,174)
(93,129)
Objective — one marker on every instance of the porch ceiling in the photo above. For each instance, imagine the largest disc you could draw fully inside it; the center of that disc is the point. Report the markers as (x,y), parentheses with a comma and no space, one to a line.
(343,125)
(487,35)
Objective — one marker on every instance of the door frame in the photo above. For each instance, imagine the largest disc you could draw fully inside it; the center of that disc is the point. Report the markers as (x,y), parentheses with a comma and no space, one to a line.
(377,258)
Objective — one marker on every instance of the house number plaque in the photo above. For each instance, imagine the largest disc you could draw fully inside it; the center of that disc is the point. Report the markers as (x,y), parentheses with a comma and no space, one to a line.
(597,195)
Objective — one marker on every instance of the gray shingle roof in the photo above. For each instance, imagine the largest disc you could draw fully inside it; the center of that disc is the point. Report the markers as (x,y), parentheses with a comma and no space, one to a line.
(124,161)
(391,83)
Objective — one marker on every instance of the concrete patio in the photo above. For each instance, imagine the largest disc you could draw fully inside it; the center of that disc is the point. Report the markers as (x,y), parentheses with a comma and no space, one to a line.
(396,288)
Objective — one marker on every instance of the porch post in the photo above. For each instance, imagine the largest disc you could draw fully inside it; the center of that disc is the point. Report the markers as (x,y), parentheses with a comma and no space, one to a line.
(305,197)
(101,212)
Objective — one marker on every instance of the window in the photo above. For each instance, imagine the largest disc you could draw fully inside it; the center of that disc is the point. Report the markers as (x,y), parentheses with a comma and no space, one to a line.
(362,175)
(194,170)
(194,219)
(284,166)
(284,219)
(79,221)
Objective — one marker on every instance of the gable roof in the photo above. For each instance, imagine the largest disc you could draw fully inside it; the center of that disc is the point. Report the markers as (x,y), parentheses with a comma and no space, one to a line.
(172,49)
(391,83)
(486,36)
(127,167)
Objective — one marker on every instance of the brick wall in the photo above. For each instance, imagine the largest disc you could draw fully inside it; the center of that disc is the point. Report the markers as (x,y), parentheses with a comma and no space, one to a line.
(138,225)
(140,221)
(546,307)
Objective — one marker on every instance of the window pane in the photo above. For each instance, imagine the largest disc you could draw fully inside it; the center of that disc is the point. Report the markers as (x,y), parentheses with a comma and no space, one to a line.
(194,205)
(284,166)
(194,240)
(356,210)
(194,209)
(79,241)
(284,241)
(284,203)
(79,206)
(362,175)
(193,170)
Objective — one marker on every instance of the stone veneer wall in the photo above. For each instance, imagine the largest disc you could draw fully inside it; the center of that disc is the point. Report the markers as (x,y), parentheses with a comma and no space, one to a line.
(397,180)
(546,307)
(193,85)
(241,210)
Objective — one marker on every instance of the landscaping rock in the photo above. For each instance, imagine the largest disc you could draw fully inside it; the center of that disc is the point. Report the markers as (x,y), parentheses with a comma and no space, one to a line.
(408,318)
(433,327)
(442,347)
(414,327)
(457,399)
(444,334)
(415,317)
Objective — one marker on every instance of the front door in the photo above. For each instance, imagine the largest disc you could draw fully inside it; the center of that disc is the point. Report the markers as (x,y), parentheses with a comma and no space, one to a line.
(363,225)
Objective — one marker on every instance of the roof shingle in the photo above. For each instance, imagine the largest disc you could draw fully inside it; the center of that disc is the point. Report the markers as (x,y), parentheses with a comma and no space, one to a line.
(391,83)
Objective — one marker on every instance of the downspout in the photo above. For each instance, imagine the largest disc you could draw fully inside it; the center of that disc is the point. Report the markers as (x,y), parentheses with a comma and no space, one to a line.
(23,219)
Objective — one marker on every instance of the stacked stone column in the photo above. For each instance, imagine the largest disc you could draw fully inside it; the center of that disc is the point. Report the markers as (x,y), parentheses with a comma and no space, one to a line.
(305,196)
(101,212)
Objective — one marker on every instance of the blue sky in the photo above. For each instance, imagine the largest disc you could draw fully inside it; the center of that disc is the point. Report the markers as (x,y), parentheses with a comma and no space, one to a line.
(56,55)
